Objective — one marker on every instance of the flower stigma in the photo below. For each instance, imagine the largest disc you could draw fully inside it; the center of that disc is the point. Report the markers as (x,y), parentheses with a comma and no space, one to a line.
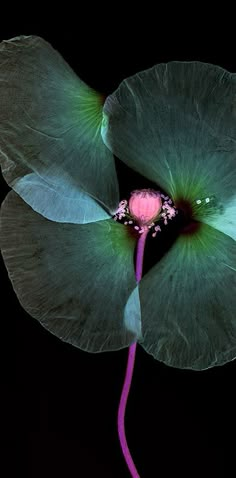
(144,208)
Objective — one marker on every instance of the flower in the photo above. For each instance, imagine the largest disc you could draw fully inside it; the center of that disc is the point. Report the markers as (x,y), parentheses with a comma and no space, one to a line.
(70,263)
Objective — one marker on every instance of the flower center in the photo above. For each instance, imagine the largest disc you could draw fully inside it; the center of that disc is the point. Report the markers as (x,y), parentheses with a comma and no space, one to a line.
(144,208)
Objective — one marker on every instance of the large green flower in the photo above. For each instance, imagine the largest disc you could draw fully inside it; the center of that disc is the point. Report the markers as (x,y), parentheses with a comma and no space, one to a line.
(71,265)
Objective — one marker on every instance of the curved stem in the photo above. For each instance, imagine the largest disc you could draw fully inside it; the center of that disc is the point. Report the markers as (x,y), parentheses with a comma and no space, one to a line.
(121,411)
(129,370)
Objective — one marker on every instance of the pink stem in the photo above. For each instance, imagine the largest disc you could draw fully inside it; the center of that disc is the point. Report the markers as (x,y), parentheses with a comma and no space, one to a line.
(129,371)
(140,253)
(121,411)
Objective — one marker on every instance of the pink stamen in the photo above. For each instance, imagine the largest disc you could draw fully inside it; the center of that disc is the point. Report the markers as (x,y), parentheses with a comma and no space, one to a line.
(145,206)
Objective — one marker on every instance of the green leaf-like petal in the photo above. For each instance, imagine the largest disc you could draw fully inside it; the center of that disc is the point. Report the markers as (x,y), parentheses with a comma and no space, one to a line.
(45,200)
(188,302)
(176,124)
(77,280)
(50,125)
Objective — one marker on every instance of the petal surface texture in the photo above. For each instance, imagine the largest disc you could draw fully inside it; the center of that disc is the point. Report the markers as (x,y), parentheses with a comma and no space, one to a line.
(51,150)
(188,302)
(77,280)
(176,124)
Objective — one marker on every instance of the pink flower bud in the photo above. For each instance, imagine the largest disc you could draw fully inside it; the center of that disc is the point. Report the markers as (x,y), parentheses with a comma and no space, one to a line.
(145,205)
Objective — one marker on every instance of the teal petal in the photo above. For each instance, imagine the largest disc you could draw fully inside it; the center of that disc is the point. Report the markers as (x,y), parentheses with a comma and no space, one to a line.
(55,206)
(175,124)
(188,302)
(132,313)
(77,280)
(224,217)
(50,125)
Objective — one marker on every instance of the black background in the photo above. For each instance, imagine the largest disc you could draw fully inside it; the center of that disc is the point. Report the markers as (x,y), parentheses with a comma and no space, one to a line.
(58,416)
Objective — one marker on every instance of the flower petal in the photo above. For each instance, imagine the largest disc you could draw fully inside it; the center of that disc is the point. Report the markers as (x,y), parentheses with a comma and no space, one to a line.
(188,302)
(175,124)
(57,207)
(77,280)
(50,126)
